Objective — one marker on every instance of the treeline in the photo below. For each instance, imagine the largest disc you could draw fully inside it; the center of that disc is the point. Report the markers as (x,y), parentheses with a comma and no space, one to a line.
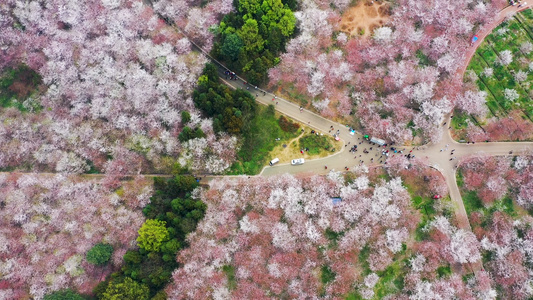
(250,39)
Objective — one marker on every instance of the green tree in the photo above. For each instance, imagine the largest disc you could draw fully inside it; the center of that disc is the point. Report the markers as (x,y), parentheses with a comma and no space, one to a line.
(185,117)
(185,134)
(133,257)
(160,296)
(287,23)
(232,46)
(152,234)
(171,246)
(126,289)
(249,8)
(99,254)
(249,34)
(67,294)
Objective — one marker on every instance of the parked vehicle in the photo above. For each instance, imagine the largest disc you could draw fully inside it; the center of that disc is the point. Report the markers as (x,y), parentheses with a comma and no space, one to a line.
(378,141)
(297,161)
(274,161)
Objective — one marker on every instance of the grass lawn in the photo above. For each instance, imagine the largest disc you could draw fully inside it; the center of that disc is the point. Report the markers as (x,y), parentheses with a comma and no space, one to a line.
(292,148)
(471,201)
(510,35)
(258,140)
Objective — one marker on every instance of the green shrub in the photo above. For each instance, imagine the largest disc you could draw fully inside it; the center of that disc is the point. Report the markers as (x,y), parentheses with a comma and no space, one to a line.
(100,254)
(327,275)
(185,117)
(315,143)
(286,125)
(18,84)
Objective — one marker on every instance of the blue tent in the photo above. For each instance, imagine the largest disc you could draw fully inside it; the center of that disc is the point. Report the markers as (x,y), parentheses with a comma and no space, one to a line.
(475,38)
(336,200)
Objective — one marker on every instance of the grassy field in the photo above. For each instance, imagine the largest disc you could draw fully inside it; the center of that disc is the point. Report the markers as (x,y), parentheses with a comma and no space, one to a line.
(292,147)
(259,139)
(510,35)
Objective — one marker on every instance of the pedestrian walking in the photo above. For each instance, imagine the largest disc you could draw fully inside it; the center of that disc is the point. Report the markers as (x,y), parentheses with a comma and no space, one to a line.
(276,102)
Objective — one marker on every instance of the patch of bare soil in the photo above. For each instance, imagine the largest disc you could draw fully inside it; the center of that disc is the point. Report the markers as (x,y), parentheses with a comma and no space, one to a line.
(364,17)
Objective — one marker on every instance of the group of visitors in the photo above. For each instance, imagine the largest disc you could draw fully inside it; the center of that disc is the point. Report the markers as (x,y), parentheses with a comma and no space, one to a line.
(232,75)
(517,2)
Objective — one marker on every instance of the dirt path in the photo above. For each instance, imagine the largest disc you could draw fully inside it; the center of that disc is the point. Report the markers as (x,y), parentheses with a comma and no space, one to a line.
(363,18)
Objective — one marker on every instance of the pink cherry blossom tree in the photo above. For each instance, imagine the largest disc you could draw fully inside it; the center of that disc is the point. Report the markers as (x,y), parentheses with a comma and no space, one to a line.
(48,223)
(268,232)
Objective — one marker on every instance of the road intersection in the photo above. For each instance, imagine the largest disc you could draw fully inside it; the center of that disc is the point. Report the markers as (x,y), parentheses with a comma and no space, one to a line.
(437,155)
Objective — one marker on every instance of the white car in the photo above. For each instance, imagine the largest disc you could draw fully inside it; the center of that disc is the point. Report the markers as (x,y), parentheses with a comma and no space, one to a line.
(298,161)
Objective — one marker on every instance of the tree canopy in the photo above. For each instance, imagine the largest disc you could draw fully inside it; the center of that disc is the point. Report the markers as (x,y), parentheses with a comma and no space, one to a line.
(100,254)
(152,235)
(126,289)
(230,109)
(251,38)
